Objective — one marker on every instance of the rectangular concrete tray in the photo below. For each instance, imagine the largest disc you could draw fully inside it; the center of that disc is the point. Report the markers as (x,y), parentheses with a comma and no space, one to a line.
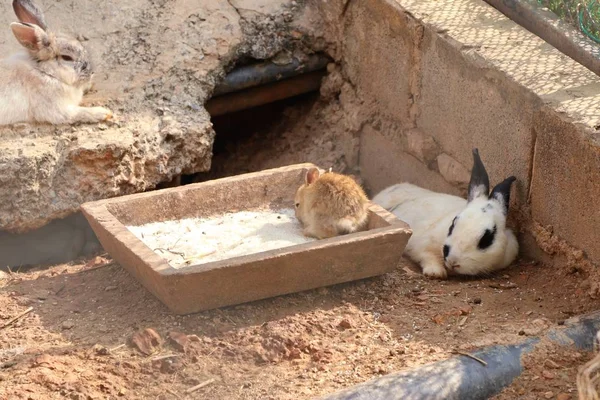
(246,278)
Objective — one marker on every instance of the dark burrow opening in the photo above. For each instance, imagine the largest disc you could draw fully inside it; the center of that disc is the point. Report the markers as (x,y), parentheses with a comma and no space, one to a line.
(246,137)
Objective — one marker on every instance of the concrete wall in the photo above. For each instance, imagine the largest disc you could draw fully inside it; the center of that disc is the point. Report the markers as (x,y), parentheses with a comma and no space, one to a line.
(444,76)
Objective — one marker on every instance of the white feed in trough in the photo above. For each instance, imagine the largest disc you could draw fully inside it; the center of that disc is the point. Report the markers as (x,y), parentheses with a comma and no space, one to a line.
(193,241)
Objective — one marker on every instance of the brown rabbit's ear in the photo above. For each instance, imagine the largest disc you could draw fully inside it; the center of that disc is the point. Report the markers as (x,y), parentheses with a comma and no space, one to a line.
(28,13)
(312,175)
(31,37)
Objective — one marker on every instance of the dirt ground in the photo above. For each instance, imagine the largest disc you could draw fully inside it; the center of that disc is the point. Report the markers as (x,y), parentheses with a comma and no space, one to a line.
(77,340)
(550,372)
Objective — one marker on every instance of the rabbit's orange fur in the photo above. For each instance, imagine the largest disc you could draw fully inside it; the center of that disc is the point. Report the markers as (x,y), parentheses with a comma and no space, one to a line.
(330,204)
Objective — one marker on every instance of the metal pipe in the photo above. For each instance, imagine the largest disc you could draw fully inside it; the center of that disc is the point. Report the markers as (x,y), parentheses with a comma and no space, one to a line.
(260,74)
(545,24)
(265,94)
(466,378)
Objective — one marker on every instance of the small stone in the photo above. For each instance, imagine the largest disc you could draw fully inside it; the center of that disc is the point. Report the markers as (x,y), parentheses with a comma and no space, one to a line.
(295,354)
(529,313)
(563,396)
(477,300)
(547,374)
(453,171)
(179,340)
(521,332)
(43,359)
(466,310)
(101,350)
(67,325)
(421,145)
(109,288)
(146,341)
(193,338)
(548,395)
(345,324)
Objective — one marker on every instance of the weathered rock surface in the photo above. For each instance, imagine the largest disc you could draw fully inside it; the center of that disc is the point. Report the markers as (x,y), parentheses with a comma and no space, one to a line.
(157,62)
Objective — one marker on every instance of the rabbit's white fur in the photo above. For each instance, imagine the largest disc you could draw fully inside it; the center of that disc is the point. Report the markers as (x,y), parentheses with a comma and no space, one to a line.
(46,81)
(431,214)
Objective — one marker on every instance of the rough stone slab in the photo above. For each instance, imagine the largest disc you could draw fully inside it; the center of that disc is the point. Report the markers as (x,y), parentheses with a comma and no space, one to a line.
(566,182)
(463,104)
(246,278)
(156,63)
(384,163)
(378,54)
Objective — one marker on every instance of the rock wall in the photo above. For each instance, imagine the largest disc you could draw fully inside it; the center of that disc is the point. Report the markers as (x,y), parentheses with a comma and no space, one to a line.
(157,62)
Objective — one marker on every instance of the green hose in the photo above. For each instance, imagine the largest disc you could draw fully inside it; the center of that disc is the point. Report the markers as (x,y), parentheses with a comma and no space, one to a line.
(582,25)
(575,13)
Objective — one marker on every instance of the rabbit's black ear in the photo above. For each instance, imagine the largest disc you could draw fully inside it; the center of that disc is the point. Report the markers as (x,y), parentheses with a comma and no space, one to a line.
(501,193)
(479,185)
(28,13)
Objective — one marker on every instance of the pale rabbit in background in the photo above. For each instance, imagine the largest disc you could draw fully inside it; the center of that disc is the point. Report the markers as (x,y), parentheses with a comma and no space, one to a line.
(46,81)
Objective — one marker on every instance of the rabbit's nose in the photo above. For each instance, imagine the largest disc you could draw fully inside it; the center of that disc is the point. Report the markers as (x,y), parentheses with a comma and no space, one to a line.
(451,265)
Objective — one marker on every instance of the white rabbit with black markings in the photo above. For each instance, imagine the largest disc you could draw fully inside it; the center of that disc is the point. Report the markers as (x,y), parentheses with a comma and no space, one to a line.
(467,237)
(46,81)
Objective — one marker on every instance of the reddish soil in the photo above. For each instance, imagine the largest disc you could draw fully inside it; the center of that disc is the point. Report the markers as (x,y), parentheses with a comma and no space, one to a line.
(76,342)
(550,372)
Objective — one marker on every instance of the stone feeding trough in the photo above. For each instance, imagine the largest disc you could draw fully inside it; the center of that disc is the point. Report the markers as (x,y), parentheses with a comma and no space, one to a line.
(190,284)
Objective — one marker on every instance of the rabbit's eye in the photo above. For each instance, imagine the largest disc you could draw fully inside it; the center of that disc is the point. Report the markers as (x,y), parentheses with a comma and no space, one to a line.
(66,58)
(297,205)
(487,239)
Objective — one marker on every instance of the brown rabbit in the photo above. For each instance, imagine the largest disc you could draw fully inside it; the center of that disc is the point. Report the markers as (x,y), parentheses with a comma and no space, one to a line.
(330,204)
